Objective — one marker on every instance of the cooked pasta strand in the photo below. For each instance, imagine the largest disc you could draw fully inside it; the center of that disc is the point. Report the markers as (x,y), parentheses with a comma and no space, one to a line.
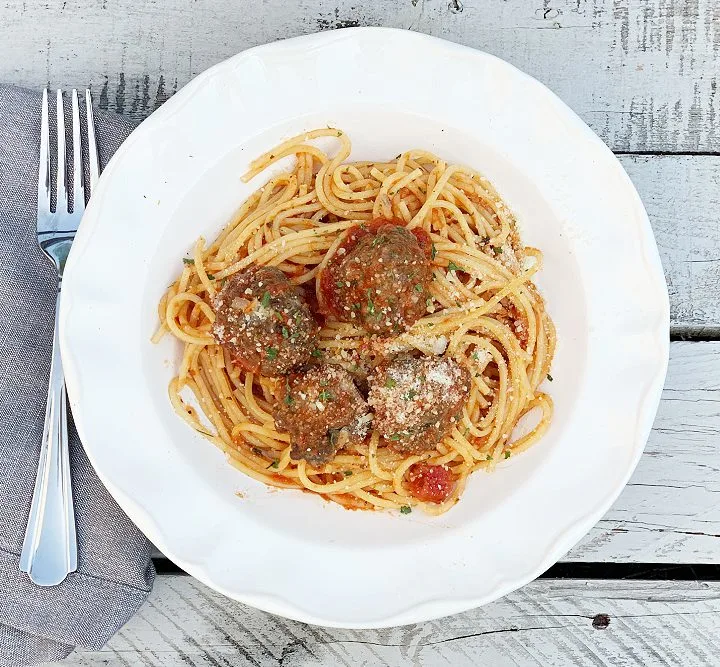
(484,312)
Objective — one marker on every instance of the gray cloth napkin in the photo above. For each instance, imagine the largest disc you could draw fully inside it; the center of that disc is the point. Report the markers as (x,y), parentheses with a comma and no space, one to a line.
(115,573)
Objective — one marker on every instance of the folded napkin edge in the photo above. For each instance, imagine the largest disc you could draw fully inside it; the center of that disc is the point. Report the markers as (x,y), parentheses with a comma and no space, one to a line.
(101,580)
(77,617)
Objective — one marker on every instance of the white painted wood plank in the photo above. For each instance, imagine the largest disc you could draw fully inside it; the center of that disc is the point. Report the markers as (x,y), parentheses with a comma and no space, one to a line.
(670,510)
(642,73)
(682,198)
(547,623)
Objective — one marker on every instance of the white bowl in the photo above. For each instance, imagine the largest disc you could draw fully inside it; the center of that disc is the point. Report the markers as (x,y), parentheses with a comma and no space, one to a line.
(291,553)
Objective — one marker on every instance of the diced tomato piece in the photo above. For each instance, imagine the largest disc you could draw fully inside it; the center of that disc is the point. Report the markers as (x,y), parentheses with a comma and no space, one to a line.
(430,483)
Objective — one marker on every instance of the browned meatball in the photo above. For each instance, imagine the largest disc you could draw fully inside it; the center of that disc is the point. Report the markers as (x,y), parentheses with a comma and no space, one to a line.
(378,278)
(264,322)
(417,400)
(323,411)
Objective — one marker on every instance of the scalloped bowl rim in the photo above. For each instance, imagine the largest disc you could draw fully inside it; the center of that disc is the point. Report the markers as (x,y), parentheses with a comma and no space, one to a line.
(82,349)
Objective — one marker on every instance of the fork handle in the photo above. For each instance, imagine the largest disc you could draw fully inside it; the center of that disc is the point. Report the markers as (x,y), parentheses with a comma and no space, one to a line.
(49,550)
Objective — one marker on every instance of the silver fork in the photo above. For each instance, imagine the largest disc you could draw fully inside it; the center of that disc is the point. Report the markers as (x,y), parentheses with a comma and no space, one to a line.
(49,550)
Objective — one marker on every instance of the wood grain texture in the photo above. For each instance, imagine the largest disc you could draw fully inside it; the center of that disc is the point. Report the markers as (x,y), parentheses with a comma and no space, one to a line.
(682,198)
(642,73)
(670,510)
(547,623)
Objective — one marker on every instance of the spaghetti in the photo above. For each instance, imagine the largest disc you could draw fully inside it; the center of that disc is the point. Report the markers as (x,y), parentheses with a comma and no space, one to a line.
(482,311)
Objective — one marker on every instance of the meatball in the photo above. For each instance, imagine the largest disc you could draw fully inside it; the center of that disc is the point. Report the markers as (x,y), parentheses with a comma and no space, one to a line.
(323,411)
(264,322)
(379,277)
(417,400)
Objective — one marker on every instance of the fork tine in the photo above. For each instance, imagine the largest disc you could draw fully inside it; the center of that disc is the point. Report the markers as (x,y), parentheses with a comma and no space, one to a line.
(78,188)
(61,185)
(44,168)
(92,145)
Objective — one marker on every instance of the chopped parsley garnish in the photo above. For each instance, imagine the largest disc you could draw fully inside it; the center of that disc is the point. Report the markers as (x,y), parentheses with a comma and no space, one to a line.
(454,267)
(339,284)
(378,240)
(433,251)
(507,454)
(266,300)
(497,250)
(347,473)
(356,306)
(339,134)
(489,457)
(549,377)
(285,332)
(289,400)
(410,395)
(271,353)
(395,436)
(475,356)
(371,305)
(210,276)
(405,509)
(418,287)
(325,395)
(274,464)
(324,383)
(316,353)
(466,431)
(390,383)
(187,260)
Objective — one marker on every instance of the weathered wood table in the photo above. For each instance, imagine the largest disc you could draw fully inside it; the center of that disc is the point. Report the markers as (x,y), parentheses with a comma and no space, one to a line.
(644,75)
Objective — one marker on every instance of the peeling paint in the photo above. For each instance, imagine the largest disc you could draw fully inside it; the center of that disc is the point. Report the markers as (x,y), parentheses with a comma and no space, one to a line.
(622,17)
(161,95)
(103,99)
(120,94)
(326,23)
